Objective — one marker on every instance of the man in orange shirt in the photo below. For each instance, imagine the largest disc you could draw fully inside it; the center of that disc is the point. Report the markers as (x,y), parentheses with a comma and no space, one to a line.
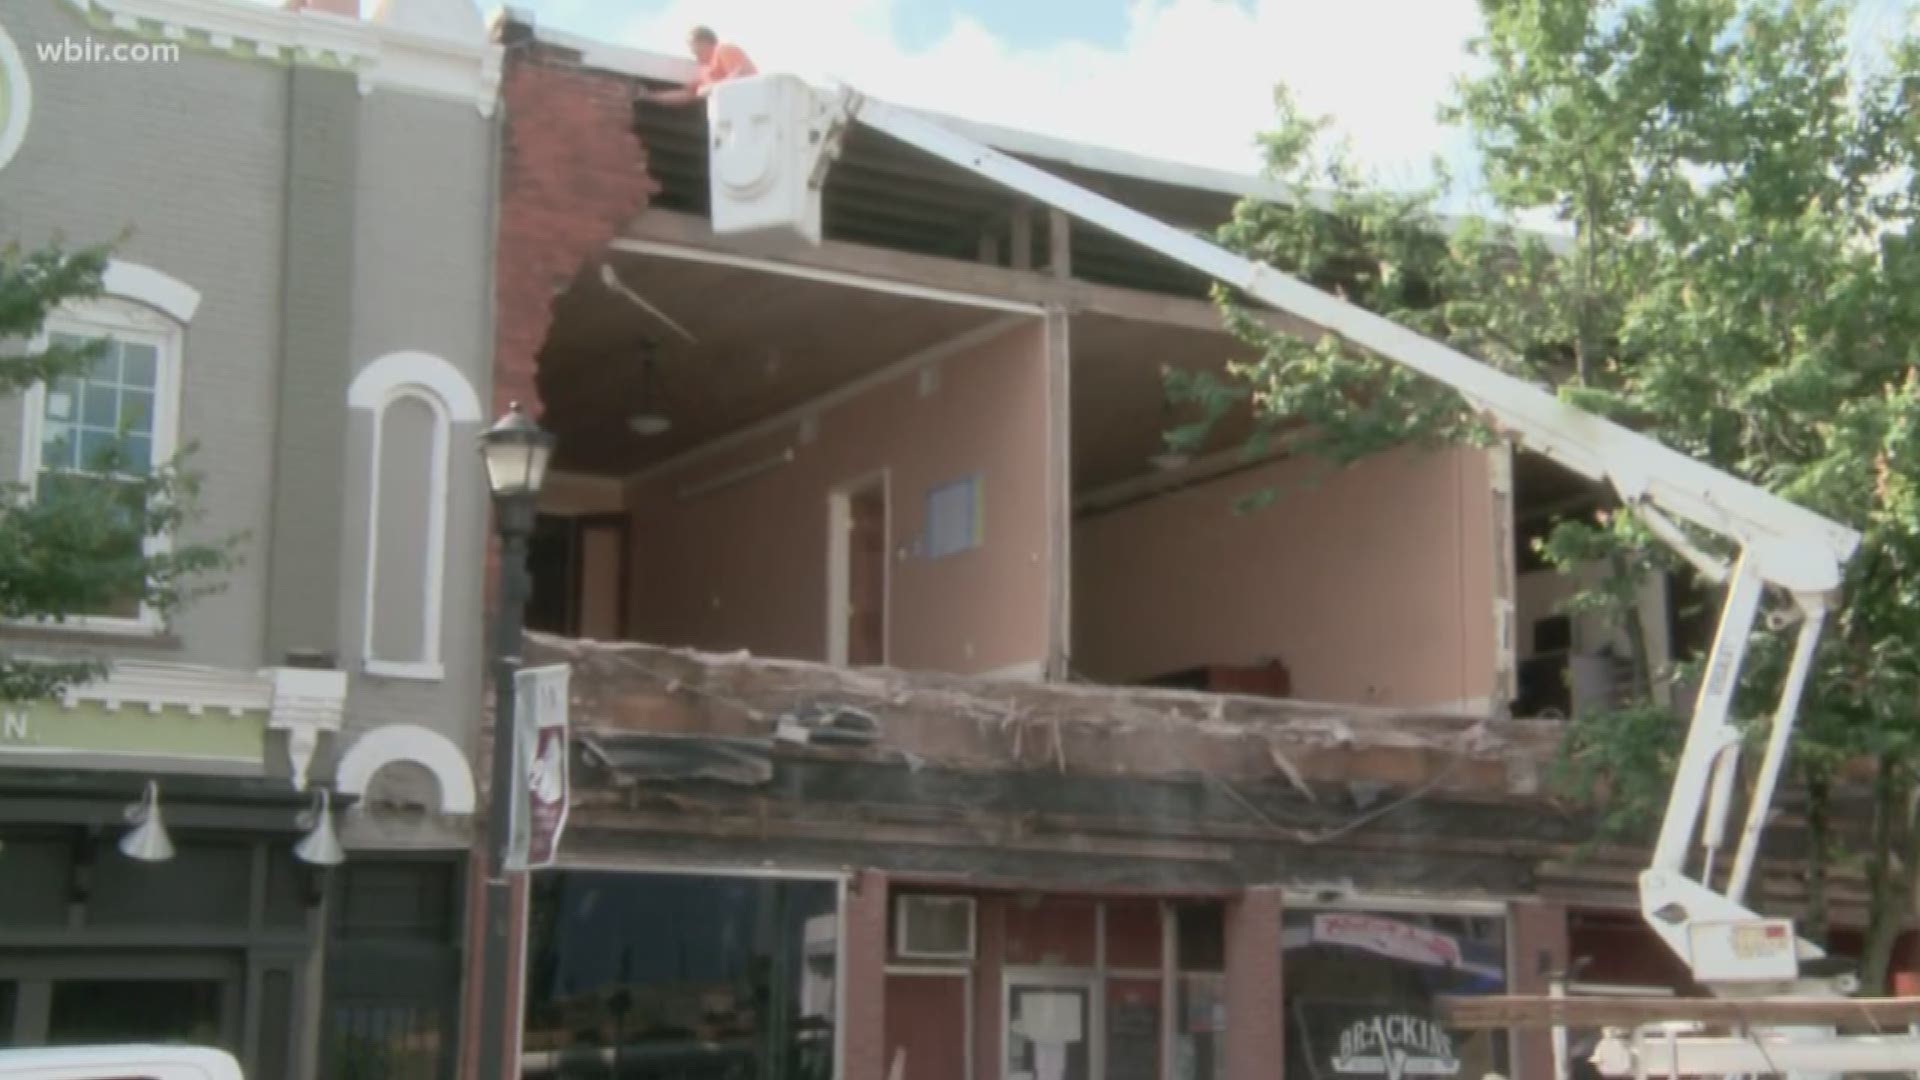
(718,62)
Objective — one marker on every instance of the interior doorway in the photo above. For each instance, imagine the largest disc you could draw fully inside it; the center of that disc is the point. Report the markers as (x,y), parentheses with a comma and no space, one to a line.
(859,527)
(1051,1020)
(578,565)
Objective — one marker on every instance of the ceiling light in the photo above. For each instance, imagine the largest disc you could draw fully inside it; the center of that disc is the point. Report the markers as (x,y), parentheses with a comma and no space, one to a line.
(649,424)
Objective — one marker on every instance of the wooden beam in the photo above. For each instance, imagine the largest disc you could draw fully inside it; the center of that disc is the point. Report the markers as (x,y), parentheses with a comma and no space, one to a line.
(1022,238)
(1489,1013)
(1021,286)
(1059,362)
(1059,244)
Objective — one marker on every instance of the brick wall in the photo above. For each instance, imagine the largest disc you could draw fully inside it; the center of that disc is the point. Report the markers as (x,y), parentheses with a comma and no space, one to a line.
(864,1025)
(1255,1018)
(1539,950)
(572,176)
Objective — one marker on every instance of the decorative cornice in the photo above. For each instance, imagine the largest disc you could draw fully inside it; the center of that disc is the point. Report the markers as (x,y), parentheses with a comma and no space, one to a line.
(155,686)
(302,702)
(386,57)
(306,702)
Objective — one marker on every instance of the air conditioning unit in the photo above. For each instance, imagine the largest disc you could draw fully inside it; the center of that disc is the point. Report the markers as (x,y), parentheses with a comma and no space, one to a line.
(933,927)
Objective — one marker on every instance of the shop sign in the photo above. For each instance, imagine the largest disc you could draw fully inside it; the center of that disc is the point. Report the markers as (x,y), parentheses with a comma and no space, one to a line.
(172,731)
(1395,1046)
(1387,937)
(540,774)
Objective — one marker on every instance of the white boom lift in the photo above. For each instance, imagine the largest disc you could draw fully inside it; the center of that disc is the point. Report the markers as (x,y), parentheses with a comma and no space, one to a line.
(775,136)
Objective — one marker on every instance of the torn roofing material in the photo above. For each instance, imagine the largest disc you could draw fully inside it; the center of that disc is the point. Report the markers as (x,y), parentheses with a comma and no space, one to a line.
(969,724)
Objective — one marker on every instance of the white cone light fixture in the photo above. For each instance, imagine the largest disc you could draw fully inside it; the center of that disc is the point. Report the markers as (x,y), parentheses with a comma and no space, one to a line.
(321,845)
(148,840)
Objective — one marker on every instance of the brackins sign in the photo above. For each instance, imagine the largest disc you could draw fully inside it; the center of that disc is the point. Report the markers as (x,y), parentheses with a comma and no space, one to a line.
(1395,1045)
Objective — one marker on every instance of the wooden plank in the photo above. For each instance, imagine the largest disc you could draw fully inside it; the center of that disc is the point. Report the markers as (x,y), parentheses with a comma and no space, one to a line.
(1508,1012)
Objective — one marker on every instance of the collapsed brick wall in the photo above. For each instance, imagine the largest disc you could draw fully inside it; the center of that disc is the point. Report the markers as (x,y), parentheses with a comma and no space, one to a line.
(573,174)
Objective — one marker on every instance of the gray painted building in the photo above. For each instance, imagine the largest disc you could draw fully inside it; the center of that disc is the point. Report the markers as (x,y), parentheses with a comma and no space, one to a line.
(302,203)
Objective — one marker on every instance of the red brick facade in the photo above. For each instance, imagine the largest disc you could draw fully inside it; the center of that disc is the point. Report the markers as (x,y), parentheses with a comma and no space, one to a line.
(1256,1032)
(864,1026)
(1539,929)
(572,176)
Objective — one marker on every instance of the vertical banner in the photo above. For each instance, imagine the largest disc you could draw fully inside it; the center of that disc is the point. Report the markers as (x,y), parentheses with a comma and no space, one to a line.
(540,772)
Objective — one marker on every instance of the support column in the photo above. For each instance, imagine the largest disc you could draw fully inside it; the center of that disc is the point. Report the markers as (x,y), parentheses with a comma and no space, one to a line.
(1540,951)
(864,1023)
(1059,360)
(989,1053)
(1256,1046)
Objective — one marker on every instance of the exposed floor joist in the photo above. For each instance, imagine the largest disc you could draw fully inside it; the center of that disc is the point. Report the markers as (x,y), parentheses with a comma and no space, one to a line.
(664,231)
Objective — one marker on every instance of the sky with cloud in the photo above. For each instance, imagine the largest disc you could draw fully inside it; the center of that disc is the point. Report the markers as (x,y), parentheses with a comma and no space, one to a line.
(1187,80)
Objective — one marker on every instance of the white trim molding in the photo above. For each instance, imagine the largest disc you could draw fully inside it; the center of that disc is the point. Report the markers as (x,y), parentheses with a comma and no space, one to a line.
(17,115)
(425,747)
(305,703)
(377,381)
(455,62)
(301,702)
(155,288)
(449,398)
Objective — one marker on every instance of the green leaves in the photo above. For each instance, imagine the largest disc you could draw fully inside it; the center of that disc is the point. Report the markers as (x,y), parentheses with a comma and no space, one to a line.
(1740,279)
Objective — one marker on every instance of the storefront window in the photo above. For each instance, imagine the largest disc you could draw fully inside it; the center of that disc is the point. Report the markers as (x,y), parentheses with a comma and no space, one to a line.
(642,976)
(1361,990)
(1200,1031)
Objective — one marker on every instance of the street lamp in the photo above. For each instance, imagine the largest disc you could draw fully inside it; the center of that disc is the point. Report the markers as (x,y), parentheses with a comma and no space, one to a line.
(516,452)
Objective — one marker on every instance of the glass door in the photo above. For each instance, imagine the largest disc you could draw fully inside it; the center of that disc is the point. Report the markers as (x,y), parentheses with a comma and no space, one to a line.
(1050,1026)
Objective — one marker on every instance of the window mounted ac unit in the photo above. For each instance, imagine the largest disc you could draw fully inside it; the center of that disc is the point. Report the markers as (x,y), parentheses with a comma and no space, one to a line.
(934,927)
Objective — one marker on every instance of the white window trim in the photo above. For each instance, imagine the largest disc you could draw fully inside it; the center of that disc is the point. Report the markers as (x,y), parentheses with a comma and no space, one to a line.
(429,668)
(117,315)
(19,113)
(450,398)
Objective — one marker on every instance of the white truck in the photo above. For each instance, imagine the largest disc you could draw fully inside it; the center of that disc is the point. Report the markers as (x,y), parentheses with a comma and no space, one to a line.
(119,1063)
(773,139)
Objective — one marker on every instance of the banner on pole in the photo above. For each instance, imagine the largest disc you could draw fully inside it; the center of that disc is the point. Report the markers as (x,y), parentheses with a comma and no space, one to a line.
(541,779)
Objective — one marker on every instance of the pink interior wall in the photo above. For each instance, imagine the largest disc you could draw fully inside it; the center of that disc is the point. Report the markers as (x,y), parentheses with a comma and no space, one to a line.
(1373,585)
(746,567)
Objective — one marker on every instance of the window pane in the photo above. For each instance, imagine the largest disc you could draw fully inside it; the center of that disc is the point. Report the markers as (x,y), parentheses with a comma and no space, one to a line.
(139,454)
(60,399)
(97,1011)
(681,976)
(136,411)
(101,406)
(106,368)
(56,447)
(94,448)
(142,364)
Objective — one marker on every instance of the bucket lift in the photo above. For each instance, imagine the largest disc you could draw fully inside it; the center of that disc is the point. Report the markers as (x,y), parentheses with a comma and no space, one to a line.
(774,138)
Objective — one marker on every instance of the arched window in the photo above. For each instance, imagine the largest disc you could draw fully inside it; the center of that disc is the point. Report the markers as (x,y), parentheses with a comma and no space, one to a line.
(414,400)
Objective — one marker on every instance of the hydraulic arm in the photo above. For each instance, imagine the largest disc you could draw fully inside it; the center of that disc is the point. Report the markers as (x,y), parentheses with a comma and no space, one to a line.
(774,139)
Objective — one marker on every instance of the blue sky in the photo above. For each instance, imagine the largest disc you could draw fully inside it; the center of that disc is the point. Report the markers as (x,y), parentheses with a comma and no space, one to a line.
(1186,80)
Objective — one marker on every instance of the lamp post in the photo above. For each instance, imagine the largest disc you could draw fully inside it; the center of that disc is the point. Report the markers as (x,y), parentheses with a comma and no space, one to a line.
(516,452)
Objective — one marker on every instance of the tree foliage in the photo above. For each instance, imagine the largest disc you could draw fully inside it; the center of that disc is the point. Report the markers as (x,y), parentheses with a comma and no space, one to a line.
(111,536)
(1734,271)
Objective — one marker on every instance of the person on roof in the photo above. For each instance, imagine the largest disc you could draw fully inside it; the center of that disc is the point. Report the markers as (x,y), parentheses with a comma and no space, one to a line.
(718,62)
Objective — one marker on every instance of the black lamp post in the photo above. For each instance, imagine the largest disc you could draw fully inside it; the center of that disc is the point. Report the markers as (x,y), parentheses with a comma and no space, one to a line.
(516,452)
